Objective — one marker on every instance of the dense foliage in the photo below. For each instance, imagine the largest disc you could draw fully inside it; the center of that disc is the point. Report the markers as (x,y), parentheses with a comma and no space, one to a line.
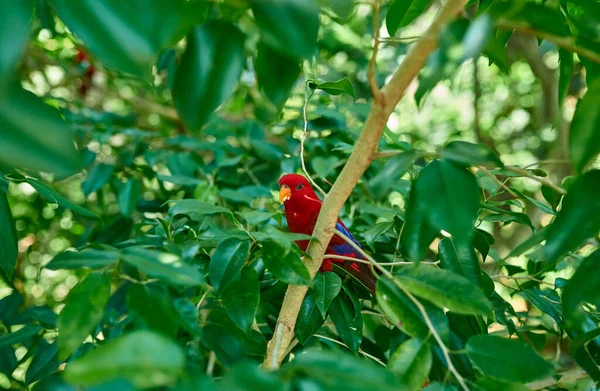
(142,244)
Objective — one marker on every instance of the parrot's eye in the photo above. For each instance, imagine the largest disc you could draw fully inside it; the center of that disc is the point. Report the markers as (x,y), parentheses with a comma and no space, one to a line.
(299,187)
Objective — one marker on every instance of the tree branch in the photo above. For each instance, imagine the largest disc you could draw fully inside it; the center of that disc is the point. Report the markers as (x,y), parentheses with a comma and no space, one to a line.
(568,43)
(364,150)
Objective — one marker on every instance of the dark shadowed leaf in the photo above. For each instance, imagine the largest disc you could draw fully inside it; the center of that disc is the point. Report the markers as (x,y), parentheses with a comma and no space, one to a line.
(165,266)
(208,71)
(464,263)
(348,326)
(129,194)
(145,358)
(470,154)
(276,74)
(584,137)
(227,262)
(582,287)
(309,318)
(326,287)
(241,298)
(8,237)
(286,266)
(34,135)
(578,219)
(97,177)
(151,306)
(411,363)
(127,39)
(288,26)
(20,336)
(506,359)
(195,207)
(452,207)
(15,15)
(82,312)
(44,362)
(91,257)
(444,289)
(54,197)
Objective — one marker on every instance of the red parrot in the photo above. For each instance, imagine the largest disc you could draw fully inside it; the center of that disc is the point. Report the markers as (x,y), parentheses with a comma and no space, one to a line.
(302,207)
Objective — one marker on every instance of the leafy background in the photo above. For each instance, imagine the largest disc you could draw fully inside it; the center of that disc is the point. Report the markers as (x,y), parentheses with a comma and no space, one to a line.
(142,244)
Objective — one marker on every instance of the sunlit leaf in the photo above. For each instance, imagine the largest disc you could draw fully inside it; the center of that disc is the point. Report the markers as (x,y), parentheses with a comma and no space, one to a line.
(411,363)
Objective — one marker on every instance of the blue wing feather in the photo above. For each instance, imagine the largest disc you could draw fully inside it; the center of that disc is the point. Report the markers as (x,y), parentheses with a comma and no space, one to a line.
(345,248)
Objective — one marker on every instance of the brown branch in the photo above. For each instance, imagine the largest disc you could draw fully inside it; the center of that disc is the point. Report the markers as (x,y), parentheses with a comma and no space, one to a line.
(363,153)
(568,43)
(541,180)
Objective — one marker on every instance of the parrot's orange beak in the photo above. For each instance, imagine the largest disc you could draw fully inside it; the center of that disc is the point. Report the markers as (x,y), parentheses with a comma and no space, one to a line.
(285,193)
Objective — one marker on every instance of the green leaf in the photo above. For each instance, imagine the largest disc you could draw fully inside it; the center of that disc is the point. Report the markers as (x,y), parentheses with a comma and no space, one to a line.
(488,384)
(83,311)
(8,237)
(165,266)
(584,137)
(326,287)
(241,298)
(453,207)
(405,315)
(276,74)
(151,307)
(34,135)
(565,73)
(342,8)
(145,358)
(402,12)
(444,289)
(469,154)
(411,363)
(335,370)
(339,87)
(195,207)
(97,177)
(126,38)
(16,16)
(540,205)
(54,197)
(288,26)
(582,287)
(464,263)
(376,231)
(324,166)
(284,239)
(310,318)
(578,219)
(286,266)
(505,359)
(391,172)
(227,262)
(44,362)
(19,336)
(91,257)
(129,194)
(208,71)
(348,326)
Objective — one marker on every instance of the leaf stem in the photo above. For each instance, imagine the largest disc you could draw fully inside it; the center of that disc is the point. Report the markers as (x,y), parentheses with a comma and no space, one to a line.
(541,180)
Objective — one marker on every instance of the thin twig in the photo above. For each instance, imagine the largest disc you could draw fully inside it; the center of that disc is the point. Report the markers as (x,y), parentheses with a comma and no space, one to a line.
(210,367)
(393,40)
(498,181)
(305,135)
(541,180)
(500,276)
(377,95)
(342,257)
(344,345)
(568,43)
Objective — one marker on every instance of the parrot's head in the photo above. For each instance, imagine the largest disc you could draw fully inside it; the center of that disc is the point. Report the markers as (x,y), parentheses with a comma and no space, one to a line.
(295,187)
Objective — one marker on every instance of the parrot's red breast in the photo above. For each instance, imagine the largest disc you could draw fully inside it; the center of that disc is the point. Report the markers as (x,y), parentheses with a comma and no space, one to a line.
(302,207)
